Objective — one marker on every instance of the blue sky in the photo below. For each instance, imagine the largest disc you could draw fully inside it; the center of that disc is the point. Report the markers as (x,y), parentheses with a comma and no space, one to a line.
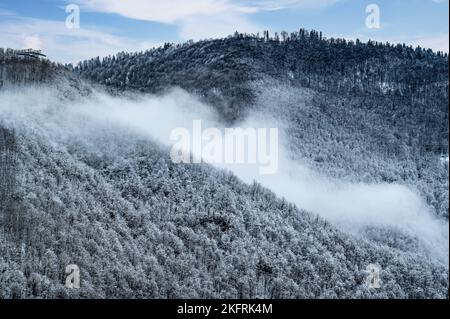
(109,26)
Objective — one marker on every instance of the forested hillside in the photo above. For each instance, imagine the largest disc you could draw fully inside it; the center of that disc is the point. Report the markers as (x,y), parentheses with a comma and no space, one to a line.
(19,69)
(138,225)
(222,70)
(373,111)
(79,188)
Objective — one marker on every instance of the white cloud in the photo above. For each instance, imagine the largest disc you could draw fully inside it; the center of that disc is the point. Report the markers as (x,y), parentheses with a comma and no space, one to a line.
(198,19)
(4,12)
(435,42)
(62,44)
(269,5)
(196,28)
(32,41)
(157,10)
(178,10)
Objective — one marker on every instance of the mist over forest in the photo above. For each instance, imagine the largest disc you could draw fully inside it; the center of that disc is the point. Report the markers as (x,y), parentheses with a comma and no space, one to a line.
(87,178)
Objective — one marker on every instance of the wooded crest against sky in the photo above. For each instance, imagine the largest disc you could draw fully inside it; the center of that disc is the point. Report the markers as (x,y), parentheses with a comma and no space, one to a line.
(109,26)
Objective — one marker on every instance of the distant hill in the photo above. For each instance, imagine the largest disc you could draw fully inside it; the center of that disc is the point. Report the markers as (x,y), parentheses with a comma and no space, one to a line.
(222,70)
(20,69)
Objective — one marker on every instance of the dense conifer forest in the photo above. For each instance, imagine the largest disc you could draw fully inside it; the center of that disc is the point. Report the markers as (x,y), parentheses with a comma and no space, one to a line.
(77,190)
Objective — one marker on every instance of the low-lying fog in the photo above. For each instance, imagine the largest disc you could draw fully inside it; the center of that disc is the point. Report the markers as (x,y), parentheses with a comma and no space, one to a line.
(350,206)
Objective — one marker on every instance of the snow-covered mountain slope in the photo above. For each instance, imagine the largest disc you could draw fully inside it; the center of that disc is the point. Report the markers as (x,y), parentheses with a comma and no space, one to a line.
(368,112)
(86,176)
(104,196)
